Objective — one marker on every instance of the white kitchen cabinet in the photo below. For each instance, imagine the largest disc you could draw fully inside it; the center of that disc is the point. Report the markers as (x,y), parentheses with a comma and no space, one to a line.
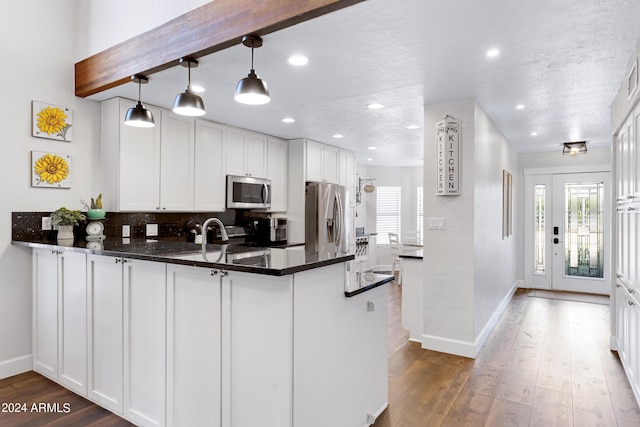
(127,333)
(144,347)
(59,317)
(210,169)
(246,153)
(322,162)
(130,159)
(176,162)
(277,172)
(348,173)
(105,310)
(257,319)
(194,347)
(147,169)
(627,331)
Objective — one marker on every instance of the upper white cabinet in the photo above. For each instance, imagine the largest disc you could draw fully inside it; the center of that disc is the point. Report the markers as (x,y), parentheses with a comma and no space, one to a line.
(277,172)
(210,170)
(130,159)
(246,153)
(322,162)
(176,162)
(348,171)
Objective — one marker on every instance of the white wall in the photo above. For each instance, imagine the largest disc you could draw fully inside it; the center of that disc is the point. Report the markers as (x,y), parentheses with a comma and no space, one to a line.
(103,24)
(39,54)
(470,270)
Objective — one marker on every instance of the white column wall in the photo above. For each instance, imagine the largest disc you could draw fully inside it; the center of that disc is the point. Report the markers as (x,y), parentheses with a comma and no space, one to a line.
(39,58)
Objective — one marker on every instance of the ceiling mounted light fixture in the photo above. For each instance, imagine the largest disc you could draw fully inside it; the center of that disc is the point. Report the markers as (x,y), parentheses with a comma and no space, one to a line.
(252,90)
(188,103)
(573,148)
(139,116)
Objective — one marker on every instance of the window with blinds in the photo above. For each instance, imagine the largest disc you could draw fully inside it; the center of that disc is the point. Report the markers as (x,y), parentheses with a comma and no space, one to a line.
(387,213)
(419,209)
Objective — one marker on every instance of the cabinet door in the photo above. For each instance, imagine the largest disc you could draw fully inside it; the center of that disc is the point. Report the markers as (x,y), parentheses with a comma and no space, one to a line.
(45,312)
(72,338)
(145,342)
(210,169)
(139,164)
(176,162)
(235,150)
(105,288)
(256,155)
(256,319)
(193,347)
(277,154)
(314,161)
(331,170)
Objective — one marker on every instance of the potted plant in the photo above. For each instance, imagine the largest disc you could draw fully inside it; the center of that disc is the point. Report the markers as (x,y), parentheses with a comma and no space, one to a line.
(64,220)
(94,210)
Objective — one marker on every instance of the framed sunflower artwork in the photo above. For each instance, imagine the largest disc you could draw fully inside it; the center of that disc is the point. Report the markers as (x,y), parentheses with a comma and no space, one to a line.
(52,121)
(50,170)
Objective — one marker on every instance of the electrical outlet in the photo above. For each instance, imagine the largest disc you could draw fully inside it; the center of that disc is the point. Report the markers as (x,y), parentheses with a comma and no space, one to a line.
(152,230)
(46,223)
(126,230)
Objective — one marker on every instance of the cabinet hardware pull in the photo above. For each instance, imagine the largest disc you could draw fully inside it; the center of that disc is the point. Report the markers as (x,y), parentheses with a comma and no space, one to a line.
(214,272)
(223,273)
(630,302)
(619,275)
(618,285)
(630,290)
(630,196)
(118,260)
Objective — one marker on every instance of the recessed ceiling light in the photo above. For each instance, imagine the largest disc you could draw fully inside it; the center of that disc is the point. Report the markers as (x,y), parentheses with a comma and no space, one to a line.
(520,106)
(298,60)
(288,120)
(492,53)
(534,133)
(371,148)
(197,88)
(375,106)
(369,159)
(412,127)
(337,136)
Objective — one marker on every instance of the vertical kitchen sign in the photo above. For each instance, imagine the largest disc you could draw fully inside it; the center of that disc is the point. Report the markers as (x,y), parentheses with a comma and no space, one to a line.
(448,157)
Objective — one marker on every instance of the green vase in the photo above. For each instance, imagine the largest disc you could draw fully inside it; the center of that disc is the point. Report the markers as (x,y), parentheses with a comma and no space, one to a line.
(96,213)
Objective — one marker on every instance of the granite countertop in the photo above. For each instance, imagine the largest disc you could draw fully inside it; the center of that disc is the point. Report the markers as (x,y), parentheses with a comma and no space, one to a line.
(275,261)
(358,283)
(416,253)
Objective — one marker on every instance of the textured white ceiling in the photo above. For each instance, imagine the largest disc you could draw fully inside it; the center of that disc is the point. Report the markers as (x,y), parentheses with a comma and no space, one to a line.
(563,59)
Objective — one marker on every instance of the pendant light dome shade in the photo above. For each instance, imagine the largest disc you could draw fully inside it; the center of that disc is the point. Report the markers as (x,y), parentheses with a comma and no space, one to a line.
(139,116)
(252,90)
(188,103)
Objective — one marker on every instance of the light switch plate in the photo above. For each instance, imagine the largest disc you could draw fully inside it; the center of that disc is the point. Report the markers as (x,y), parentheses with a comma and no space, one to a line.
(126,230)
(436,223)
(152,230)
(46,223)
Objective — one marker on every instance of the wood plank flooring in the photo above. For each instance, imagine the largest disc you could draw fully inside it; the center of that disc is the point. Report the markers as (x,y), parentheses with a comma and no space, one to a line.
(547,363)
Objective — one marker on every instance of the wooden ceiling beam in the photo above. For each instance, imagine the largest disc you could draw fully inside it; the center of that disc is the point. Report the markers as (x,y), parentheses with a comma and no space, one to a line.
(210,28)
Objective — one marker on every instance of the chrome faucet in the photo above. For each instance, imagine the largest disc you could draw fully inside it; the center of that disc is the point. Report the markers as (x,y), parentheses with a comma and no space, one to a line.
(223,232)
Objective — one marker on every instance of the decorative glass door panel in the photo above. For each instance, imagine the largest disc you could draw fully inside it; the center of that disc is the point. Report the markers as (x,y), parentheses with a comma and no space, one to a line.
(540,233)
(583,230)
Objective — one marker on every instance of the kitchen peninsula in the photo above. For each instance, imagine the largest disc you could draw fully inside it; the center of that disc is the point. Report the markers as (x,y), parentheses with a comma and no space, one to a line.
(159,333)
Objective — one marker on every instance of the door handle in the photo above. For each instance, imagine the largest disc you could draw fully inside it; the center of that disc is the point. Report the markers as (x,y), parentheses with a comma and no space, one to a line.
(556,240)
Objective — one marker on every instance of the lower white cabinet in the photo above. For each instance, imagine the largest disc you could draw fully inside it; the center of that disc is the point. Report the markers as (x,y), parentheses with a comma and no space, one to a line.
(127,308)
(628,330)
(59,317)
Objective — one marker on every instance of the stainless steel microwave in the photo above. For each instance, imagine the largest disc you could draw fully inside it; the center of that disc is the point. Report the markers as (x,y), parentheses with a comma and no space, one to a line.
(244,192)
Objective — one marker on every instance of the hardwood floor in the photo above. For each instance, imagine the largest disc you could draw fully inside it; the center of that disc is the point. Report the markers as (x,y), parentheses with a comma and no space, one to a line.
(547,363)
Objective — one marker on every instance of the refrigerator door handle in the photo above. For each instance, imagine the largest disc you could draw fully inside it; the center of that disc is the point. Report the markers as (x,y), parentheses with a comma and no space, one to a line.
(340,221)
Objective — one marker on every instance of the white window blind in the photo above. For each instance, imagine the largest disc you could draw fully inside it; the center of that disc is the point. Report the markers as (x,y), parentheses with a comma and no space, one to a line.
(387,213)
(419,212)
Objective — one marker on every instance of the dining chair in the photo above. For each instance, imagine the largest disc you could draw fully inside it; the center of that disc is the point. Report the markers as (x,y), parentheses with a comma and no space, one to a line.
(395,255)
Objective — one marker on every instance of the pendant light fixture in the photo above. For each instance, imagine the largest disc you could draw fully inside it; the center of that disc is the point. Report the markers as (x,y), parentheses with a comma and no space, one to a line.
(139,116)
(252,90)
(188,103)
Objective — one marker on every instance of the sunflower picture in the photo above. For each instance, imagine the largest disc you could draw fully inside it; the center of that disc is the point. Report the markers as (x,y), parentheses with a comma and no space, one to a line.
(50,170)
(52,121)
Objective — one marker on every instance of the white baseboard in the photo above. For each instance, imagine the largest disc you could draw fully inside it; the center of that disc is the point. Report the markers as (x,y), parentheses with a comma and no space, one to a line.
(613,343)
(19,365)
(373,417)
(467,348)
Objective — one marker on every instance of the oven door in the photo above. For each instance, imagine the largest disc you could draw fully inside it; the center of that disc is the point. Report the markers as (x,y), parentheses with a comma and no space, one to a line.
(248,193)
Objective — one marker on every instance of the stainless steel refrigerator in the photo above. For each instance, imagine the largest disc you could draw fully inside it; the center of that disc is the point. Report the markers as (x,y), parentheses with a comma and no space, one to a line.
(326,219)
